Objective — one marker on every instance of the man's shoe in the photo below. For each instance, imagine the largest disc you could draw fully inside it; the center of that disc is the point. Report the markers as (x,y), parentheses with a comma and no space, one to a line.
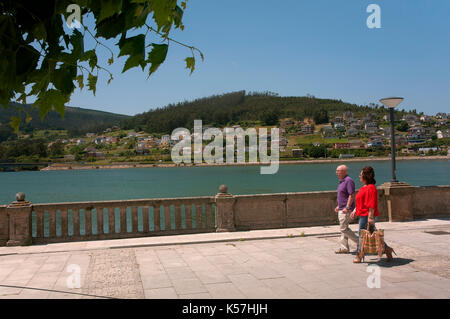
(342,251)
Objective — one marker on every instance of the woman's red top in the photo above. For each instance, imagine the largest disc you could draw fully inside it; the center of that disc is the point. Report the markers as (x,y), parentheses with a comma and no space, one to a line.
(366,198)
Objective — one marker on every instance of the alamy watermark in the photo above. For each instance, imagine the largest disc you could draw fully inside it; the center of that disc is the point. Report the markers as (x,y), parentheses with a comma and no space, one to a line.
(74,19)
(374,279)
(374,19)
(214,151)
(74,279)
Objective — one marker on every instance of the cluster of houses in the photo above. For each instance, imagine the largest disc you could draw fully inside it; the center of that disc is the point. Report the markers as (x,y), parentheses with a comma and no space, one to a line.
(419,131)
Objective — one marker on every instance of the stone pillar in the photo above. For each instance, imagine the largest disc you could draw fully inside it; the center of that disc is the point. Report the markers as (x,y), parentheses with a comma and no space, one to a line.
(19,213)
(224,210)
(399,197)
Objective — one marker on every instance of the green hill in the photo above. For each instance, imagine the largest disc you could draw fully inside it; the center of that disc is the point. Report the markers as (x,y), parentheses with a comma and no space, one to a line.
(75,118)
(244,109)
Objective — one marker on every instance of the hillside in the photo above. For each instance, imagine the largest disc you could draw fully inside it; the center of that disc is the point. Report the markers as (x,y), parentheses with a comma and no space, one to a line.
(241,108)
(75,118)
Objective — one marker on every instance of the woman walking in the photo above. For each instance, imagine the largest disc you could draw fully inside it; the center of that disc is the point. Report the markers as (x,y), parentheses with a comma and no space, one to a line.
(367,209)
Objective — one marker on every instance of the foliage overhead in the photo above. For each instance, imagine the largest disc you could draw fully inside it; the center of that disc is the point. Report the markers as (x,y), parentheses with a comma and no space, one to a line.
(46,60)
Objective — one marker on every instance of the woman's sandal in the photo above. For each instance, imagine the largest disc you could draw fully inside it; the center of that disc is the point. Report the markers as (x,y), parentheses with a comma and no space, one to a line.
(359,257)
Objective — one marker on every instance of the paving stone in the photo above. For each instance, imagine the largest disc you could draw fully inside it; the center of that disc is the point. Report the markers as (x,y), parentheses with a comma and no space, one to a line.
(188,286)
(160,293)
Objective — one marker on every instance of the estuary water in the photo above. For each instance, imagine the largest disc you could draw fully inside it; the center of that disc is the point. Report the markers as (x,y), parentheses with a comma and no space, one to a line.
(136,183)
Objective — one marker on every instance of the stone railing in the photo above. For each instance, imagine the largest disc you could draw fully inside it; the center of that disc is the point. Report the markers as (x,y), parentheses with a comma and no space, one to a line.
(24,223)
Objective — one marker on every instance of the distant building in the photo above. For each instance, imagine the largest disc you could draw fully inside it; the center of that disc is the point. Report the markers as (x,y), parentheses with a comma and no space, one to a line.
(352,132)
(371,127)
(100,140)
(443,134)
(355,144)
(346,155)
(341,145)
(328,131)
(375,143)
(131,134)
(416,134)
(165,139)
(442,116)
(425,118)
(81,141)
(69,157)
(427,149)
(338,119)
(90,134)
(297,152)
(307,129)
(339,126)
(409,117)
(365,120)
(348,115)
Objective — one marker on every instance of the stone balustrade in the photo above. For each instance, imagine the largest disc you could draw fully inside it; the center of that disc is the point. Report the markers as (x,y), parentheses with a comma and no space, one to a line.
(24,223)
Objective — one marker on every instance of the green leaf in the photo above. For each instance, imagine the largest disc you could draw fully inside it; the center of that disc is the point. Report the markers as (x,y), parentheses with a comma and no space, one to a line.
(51,99)
(77,41)
(111,60)
(92,82)
(135,48)
(162,10)
(190,63)
(157,56)
(15,123)
(108,8)
(80,81)
(39,31)
(90,56)
(63,79)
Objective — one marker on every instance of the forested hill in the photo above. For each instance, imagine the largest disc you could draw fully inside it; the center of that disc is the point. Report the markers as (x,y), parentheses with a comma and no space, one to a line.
(240,108)
(75,118)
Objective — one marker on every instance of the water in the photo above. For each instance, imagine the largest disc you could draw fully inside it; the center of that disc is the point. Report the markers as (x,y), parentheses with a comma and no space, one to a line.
(135,183)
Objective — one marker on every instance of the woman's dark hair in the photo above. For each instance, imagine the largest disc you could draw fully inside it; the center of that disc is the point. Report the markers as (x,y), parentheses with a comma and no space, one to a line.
(368,175)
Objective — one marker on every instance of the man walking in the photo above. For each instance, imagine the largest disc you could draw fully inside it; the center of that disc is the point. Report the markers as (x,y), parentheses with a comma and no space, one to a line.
(346,204)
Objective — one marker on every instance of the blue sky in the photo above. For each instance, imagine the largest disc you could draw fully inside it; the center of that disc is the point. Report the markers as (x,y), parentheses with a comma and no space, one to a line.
(320,47)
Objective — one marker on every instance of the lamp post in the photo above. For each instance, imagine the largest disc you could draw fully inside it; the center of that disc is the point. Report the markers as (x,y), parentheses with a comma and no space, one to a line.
(391,103)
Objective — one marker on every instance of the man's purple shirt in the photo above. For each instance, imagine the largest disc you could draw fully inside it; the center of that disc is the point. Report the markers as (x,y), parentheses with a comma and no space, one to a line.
(345,189)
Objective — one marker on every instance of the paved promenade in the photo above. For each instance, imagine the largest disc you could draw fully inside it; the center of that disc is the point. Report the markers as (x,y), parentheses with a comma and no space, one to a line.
(282,263)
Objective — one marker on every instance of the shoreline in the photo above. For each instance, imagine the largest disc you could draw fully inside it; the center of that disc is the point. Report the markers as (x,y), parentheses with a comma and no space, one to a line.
(65,166)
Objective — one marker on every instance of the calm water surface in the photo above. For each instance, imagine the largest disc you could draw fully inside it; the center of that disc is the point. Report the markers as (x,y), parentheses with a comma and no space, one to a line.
(134,183)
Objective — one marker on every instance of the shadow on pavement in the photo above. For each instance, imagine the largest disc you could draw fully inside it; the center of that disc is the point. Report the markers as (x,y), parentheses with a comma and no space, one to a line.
(393,263)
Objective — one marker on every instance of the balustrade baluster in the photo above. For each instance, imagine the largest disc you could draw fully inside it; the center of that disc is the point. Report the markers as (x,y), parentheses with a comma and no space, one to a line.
(209,219)
(111,220)
(99,220)
(76,222)
(88,221)
(39,223)
(123,220)
(134,219)
(167,218)
(177,209)
(64,223)
(188,211)
(145,212)
(157,218)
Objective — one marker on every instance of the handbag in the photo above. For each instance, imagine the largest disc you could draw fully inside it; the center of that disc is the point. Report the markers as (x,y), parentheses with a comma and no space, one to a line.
(372,243)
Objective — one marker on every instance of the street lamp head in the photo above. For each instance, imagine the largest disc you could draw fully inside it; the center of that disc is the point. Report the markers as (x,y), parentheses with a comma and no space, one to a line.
(391,102)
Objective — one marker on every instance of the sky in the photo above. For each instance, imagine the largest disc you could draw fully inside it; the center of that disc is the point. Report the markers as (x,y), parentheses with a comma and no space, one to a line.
(293,48)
